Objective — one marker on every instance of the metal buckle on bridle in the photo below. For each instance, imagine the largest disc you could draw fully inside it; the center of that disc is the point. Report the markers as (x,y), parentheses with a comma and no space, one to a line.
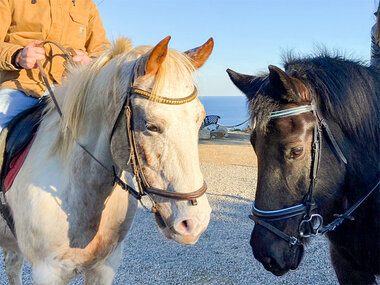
(293,241)
(314,223)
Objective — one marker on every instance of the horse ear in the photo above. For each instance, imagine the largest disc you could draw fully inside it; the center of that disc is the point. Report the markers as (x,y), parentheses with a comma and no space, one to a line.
(157,56)
(287,87)
(248,84)
(200,54)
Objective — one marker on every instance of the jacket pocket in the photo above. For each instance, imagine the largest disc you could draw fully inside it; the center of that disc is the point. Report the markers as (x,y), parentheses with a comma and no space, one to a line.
(79,17)
(76,30)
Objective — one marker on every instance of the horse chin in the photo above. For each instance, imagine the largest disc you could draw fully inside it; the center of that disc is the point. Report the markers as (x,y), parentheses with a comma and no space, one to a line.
(278,272)
(275,254)
(297,257)
(182,239)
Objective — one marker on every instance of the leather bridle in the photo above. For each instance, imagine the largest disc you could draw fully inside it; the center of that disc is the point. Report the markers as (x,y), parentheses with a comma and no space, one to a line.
(143,186)
(311,224)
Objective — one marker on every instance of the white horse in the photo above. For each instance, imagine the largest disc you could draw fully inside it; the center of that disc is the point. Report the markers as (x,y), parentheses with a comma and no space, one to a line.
(69,216)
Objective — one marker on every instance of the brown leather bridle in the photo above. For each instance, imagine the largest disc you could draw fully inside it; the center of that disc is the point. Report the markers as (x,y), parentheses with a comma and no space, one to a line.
(143,185)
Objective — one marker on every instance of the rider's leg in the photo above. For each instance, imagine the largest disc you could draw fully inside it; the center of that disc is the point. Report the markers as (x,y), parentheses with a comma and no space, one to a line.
(13,102)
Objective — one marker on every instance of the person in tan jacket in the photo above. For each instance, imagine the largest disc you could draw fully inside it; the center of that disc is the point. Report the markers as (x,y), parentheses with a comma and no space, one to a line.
(24,25)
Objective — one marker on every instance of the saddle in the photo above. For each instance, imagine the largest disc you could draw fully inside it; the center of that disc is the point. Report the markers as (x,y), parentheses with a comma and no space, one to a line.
(15,138)
(15,141)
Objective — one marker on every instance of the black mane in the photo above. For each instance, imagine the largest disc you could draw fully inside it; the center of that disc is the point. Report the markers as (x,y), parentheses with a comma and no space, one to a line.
(346,92)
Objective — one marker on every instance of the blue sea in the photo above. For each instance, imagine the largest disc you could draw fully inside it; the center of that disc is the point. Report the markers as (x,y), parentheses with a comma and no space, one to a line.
(232,110)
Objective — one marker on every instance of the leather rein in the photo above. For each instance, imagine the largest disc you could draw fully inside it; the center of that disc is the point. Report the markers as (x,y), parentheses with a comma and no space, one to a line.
(312,224)
(143,186)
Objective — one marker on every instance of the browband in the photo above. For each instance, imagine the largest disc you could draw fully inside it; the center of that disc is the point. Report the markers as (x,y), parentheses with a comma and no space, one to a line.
(291,111)
(165,100)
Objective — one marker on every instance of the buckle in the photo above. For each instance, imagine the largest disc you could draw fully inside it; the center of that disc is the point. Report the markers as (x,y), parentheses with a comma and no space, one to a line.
(314,223)
(293,241)
(316,145)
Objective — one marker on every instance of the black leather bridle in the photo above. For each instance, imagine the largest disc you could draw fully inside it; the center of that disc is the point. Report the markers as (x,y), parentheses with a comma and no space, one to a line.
(312,223)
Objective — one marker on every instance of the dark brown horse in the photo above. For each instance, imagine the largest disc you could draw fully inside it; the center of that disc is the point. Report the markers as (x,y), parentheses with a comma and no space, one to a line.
(317,139)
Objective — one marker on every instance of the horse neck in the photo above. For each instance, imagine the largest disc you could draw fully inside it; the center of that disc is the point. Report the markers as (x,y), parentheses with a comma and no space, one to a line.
(88,181)
(362,170)
(358,142)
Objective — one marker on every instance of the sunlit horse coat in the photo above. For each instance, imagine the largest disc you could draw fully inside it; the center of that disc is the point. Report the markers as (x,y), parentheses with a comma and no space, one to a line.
(69,216)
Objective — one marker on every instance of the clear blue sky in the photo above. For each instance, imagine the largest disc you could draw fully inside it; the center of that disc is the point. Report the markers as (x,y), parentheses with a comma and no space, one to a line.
(249,34)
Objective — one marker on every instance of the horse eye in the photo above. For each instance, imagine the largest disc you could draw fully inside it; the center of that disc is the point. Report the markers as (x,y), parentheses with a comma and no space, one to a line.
(296,152)
(152,128)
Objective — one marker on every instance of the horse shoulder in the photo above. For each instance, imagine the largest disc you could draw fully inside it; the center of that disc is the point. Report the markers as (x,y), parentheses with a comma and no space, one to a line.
(116,219)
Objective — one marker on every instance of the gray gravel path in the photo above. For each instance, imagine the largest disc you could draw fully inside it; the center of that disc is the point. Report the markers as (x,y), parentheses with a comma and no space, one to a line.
(222,254)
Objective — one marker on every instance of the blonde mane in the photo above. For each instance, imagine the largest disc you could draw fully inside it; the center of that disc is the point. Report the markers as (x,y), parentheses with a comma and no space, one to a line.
(92,88)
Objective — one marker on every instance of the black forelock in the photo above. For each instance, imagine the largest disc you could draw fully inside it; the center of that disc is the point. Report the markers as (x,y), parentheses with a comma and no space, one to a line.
(262,104)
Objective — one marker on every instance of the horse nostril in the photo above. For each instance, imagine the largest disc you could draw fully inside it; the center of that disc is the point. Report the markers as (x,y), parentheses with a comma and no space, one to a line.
(270,263)
(184,227)
(267,262)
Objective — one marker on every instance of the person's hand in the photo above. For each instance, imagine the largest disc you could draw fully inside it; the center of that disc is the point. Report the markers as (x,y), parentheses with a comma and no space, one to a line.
(81,57)
(28,56)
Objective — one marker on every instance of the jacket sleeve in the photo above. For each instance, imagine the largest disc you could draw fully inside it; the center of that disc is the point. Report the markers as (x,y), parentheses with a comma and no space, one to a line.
(6,49)
(96,36)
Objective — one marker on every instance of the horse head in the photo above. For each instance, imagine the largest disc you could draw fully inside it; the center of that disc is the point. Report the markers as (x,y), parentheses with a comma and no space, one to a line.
(284,148)
(164,130)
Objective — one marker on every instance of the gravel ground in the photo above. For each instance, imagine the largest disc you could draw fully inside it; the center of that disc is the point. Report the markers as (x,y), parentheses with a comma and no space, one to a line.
(222,254)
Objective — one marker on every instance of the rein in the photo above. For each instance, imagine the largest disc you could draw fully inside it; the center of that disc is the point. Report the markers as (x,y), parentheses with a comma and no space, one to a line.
(144,187)
(312,224)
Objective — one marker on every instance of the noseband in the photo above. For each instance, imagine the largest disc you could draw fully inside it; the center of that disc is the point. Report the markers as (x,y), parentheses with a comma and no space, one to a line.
(311,224)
